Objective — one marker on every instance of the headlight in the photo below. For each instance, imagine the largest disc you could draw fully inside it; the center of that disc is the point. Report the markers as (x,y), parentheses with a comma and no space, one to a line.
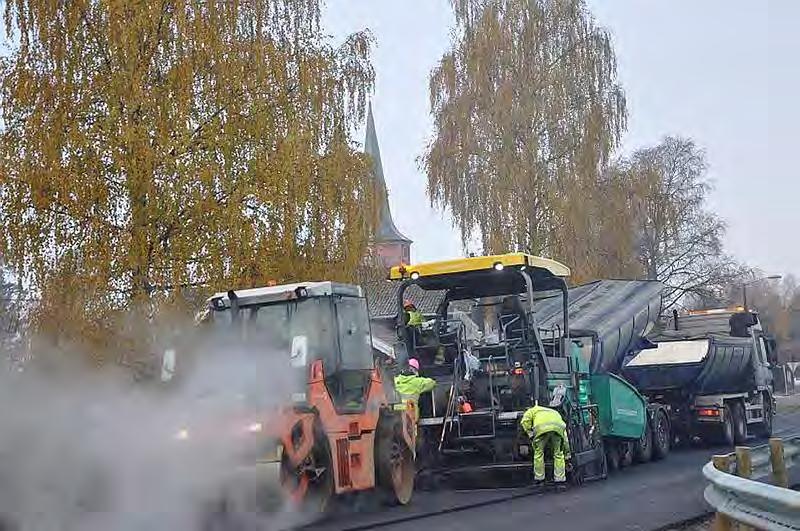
(255,427)
(272,454)
(182,435)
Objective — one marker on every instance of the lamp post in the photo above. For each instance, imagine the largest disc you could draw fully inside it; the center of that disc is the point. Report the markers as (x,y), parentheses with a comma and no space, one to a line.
(745,284)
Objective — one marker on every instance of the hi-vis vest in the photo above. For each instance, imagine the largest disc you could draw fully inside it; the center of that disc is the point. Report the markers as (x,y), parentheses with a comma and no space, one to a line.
(539,420)
(409,387)
(415,318)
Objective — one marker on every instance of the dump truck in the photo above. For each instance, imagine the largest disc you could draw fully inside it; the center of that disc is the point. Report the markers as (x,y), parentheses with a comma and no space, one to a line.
(340,427)
(712,370)
(486,348)
(609,321)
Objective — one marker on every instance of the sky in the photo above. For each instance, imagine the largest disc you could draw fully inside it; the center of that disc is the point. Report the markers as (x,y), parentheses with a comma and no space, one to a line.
(723,72)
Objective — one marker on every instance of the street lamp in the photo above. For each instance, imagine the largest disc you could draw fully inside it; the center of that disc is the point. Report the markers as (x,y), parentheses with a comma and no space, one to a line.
(745,284)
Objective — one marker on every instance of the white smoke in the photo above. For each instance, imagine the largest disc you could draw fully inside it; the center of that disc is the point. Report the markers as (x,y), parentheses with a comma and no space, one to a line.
(89,450)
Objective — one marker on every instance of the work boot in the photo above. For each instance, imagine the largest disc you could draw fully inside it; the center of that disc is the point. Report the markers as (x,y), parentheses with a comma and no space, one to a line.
(561,486)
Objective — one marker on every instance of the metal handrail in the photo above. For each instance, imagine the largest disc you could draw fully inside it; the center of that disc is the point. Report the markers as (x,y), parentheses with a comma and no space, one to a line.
(750,502)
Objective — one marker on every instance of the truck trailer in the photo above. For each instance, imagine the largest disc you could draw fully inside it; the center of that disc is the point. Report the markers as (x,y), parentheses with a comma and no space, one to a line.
(609,320)
(711,370)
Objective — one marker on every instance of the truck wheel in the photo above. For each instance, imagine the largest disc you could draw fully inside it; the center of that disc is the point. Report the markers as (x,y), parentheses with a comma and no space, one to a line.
(643,448)
(625,454)
(765,427)
(725,433)
(395,465)
(612,457)
(661,435)
(739,423)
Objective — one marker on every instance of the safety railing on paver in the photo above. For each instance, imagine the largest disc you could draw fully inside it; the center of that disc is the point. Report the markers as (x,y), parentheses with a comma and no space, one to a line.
(738,492)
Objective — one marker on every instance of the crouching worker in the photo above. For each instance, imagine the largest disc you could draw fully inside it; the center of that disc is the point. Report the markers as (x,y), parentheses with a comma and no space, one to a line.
(546,429)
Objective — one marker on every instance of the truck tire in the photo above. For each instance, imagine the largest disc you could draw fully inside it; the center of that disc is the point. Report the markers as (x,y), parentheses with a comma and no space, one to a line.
(661,435)
(739,422)
(612,457)
(625,454)
(764,428)
(643,448)
(725,434)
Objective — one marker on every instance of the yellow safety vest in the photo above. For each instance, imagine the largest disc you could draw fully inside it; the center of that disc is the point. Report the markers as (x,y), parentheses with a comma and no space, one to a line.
(415,318)
(539,420)
(409,387)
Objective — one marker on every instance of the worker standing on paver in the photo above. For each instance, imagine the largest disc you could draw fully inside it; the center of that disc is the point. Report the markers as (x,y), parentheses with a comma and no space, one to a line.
(410,385)
(414,316)
(546,429)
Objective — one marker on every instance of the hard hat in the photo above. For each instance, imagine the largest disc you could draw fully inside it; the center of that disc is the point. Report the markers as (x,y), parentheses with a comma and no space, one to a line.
(414,363)
(408,304)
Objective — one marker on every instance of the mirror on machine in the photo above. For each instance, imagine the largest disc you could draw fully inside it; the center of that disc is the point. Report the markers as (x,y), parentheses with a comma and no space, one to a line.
(168,365)
(299,351)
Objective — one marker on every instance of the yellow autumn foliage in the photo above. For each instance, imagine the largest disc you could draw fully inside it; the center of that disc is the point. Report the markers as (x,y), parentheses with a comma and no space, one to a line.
(527,113)
(151,148)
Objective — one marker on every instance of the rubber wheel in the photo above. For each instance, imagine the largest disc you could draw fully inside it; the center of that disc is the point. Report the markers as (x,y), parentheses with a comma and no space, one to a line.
(318,489)
(625,454)
(395,465)
(725,433)
(765,426)
(612,458)
(661,435)
(739,423)
(643,448)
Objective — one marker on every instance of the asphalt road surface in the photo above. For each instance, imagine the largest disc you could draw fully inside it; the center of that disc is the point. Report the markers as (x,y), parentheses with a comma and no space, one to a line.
(643,497)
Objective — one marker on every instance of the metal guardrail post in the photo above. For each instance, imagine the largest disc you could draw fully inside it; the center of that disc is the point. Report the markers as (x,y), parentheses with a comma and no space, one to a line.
(742,496)
(780,478)
(722,522)
(744,469)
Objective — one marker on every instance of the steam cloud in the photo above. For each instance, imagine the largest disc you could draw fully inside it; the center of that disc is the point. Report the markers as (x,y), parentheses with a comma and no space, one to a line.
(88,450)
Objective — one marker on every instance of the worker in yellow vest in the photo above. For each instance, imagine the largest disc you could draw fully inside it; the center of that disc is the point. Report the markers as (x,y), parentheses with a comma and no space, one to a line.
(410,385)
(546,429)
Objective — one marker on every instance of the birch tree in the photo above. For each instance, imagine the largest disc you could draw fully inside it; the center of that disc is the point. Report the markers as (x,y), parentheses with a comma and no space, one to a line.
(680,240)
(150,147)
(527,111)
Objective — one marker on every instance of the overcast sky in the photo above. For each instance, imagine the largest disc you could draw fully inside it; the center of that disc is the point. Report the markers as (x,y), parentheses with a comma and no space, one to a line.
(723,72)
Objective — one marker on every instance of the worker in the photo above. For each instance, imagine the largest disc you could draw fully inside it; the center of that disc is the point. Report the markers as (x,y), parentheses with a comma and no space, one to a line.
(410,384)
(546,429)
(413,325)
(413,316)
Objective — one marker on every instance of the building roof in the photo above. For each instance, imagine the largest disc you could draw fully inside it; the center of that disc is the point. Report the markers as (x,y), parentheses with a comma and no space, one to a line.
(382,298)
(386,231)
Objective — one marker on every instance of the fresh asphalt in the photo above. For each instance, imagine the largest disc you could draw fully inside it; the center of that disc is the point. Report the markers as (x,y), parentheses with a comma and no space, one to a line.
(642,497)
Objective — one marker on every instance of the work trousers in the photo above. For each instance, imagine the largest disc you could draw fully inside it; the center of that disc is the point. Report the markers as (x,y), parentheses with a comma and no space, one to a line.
(552,440)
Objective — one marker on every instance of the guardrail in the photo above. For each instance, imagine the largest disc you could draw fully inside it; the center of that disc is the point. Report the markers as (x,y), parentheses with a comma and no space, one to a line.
(738,498)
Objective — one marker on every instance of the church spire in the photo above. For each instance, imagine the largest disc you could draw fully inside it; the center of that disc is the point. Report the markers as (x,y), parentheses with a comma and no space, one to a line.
(386,230)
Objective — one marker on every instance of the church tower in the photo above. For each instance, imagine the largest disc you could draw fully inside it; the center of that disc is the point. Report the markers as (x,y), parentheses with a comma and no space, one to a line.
(389,247)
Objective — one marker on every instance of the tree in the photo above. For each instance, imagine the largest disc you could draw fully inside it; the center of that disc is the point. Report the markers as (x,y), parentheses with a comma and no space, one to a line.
(679,239)
(11,312)
(150,147)
(526,112)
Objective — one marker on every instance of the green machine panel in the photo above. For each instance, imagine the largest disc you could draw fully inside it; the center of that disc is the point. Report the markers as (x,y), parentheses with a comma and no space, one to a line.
(621,408)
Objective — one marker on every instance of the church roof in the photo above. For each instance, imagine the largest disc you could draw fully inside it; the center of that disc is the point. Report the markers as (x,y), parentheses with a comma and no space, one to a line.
(386,231)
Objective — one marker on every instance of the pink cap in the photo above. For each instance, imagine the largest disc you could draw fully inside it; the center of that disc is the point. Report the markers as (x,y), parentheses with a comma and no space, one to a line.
(413,363)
